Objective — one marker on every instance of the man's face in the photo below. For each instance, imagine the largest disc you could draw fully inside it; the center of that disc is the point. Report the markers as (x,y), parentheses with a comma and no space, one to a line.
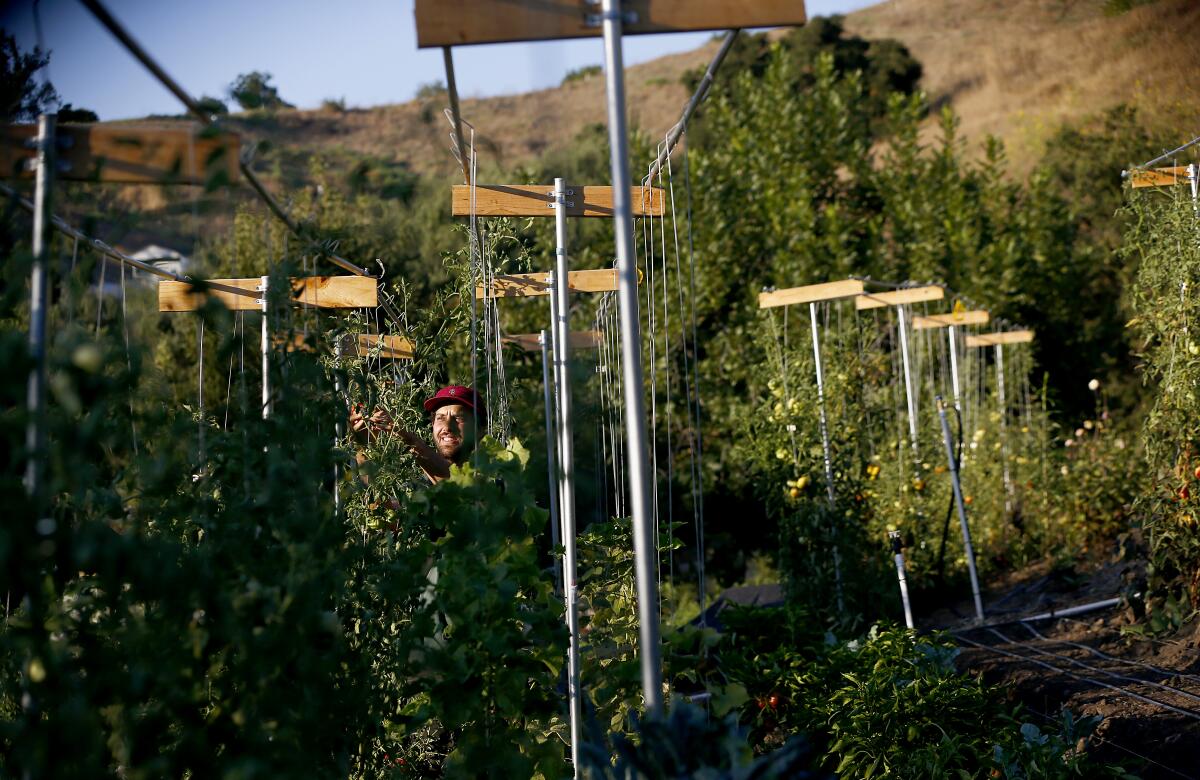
(453,431)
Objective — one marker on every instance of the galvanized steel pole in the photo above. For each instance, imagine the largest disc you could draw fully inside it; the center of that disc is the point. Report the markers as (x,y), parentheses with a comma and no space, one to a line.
(1003,402)
(566,457)
(816,341)
(962,510)
(909,397)
(953,337)
(266,352)
(35,398)
(645,545)
(551,457)
(898,554)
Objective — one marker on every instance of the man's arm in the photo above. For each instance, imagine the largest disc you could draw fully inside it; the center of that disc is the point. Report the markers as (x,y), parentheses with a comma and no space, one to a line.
(435,467)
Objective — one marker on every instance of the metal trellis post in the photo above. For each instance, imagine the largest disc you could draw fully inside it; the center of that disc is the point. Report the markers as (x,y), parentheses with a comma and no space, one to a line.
(952,335)
(35,431)
(551,457)
(566,458)
(640,479)
(1003,403)
(962,509)
(909,397)
(266,352)
(898,554)
(816,341)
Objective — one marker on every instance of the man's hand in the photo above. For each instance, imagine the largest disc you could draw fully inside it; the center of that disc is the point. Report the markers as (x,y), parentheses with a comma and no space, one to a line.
(363,427)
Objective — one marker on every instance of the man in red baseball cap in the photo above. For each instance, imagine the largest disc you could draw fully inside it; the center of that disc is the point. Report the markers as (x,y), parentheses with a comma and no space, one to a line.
(457,413)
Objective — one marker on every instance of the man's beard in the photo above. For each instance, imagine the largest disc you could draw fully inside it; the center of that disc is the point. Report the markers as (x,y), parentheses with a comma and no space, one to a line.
(451,451)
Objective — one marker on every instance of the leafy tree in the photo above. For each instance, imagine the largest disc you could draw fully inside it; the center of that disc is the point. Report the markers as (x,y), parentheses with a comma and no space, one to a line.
(431,89)
(212,106)
(254,90)
(68,113)
(21,97)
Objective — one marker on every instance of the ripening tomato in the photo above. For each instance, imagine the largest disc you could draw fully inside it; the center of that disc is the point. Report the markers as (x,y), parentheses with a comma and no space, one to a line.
(1197,472)
(794,492)
(968,499)
(1183,493)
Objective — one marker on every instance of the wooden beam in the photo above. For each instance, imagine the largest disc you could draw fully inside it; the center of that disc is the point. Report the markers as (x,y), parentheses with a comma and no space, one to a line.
(523,285)
(465,22)
(899,297)
(1159,177)
(1007,337)
(322,292)
(519,200)
(975,317)
(847,288)
(390,347)
(586,339)
(126,154)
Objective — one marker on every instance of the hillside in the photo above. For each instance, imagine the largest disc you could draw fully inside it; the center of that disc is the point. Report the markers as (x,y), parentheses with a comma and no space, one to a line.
(1014,69)
(1017,69)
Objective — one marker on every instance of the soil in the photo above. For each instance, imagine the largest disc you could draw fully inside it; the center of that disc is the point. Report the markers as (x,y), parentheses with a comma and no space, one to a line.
(1150,740)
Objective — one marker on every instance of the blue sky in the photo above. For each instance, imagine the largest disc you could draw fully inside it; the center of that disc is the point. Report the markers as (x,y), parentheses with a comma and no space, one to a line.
(361,50)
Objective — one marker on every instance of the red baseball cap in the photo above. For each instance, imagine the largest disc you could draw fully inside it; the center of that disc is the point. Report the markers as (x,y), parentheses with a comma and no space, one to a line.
(456,394)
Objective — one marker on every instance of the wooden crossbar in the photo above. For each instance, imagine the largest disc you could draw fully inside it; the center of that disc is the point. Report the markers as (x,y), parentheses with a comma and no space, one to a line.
(390,347)
(125,154)
(323,292)
(523,285)
(522,200)
(585,339)
(1159,177)
(1007,337)
(975,317)
(899,297)
(811,293)
(465,22)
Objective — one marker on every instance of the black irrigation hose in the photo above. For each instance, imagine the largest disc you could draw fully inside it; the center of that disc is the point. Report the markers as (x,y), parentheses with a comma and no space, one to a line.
(1058,670)
(1113,658)
(941,565)
(1090,668)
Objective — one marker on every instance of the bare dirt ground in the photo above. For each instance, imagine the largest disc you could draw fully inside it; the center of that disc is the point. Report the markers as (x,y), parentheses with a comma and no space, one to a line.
(1147,690)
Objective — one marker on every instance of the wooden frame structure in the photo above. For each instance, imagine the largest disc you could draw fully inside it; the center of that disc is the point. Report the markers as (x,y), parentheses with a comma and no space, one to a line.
(1162,177)
(955,318)
(322,292)
(525,285)
(528,200)
(126,154)
(578,339)
(812,293)
(1002,337)
(390,347)
(899,297)
(467,22)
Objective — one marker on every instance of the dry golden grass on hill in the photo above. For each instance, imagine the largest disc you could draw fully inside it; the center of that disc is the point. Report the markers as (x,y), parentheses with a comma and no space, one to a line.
(1018,69)
(509,129)
(1015,69)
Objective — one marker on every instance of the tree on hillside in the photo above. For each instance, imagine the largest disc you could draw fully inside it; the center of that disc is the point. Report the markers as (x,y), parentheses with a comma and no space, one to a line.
(886,64)
(69,113)
(254,90)
(22,98)
(212,106)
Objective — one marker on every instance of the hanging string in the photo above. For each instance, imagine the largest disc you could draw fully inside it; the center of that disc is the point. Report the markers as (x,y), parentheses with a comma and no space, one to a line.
(200,397)
(666,327)
(128,360)
(699,438)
